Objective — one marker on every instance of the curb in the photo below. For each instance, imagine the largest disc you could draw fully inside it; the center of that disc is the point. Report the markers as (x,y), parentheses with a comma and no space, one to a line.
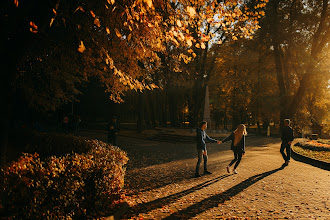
(314,162)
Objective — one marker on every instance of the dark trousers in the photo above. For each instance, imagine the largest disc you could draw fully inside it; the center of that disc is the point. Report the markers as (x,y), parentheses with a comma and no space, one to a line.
(287,147)
(201,156)
(237,159)
(113,139)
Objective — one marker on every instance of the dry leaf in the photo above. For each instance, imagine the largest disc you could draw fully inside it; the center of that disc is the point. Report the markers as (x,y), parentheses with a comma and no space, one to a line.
(79,8)
(97,22)
(51,22)
(191,11)
(54,11)
(149,3)
(117,33)
(92,13)
(178,22)
(82,47)
(34,27)
(108,30)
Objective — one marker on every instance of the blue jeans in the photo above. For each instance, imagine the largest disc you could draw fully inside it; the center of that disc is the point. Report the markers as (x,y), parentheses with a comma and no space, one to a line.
(201,156)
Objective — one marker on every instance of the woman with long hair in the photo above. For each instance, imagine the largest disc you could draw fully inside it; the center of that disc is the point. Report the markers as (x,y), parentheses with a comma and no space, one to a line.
(237,145)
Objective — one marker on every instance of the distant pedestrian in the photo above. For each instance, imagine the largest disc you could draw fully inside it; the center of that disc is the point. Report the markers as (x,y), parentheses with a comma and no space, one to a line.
(201,137)
(113,130)
(287,138)
(237,139)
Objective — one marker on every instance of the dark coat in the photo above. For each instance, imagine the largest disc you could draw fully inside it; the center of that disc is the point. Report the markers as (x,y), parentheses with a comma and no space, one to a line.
(201,137)
(240,147)
(287,135)
(112,132)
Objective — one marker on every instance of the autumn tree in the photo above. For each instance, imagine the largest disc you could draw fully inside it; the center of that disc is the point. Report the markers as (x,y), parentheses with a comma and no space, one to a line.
(299,33)
(50,47)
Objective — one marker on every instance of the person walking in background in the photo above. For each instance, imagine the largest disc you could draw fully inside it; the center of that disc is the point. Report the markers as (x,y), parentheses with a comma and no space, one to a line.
(113,130)
(201,137)
(287,138)
(237,139)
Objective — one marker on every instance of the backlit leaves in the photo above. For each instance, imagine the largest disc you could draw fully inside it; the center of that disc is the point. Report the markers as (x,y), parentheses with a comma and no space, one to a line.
(81,47)
(33,27)
(97,22)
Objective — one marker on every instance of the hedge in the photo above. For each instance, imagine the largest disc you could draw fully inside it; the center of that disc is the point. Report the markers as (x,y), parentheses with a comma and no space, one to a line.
(84,183)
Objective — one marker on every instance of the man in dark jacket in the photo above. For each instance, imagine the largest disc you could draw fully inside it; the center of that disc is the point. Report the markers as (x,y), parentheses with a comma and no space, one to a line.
(113,130)
(201,147)
(287,138)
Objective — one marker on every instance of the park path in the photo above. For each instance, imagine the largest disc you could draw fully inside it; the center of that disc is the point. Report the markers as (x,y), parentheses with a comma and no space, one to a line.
(162,185)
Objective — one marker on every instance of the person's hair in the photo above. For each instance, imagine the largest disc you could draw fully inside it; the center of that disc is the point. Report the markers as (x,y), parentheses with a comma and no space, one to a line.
(239,132)
(287,121)
(202,123)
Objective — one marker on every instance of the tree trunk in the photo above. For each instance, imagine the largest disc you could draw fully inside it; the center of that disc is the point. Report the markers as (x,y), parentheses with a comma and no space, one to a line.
(141,113)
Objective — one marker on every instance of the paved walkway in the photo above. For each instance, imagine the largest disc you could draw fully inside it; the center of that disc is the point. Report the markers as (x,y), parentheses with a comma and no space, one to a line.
(261,190)
(160,183)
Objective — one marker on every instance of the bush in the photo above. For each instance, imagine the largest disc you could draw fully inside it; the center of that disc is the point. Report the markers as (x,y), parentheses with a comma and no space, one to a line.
(75,185)
(49,144)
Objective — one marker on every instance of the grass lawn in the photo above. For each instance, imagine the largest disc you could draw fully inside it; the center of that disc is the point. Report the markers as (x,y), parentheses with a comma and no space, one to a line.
(319,155)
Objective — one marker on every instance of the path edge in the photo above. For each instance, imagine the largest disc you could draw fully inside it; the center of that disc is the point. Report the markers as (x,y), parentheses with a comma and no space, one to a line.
(311,161)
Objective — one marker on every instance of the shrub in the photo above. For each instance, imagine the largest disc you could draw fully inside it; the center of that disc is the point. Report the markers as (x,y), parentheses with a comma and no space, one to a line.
(49,144)
(75,185)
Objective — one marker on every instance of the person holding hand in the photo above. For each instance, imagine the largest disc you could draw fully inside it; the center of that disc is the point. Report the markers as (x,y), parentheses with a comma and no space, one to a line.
(201,137)
(237,139)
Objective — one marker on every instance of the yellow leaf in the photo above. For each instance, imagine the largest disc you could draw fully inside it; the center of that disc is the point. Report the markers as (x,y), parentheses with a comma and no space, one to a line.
(92,13)
(108,30)
(178,22)
(197,45)
(194,55)
(51,22)
(33,27)
(82,47)
(189,42)
(203,46)
(191,11)
(129,37)
(97,22)
(16,3)
(79,8)
(118,33)
(54,11)
(149,3)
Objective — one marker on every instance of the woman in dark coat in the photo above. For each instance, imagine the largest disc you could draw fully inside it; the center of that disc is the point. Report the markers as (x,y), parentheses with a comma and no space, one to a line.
(237,139)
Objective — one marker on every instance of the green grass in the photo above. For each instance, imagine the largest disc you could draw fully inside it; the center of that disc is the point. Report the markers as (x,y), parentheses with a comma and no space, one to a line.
(319,155)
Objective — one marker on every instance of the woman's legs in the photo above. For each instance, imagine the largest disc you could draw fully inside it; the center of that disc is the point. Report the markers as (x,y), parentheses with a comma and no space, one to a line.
(235,159)
(239,157)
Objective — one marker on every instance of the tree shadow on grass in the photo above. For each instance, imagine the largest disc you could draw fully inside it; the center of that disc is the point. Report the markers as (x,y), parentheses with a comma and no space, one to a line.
(215,200)
(158,203)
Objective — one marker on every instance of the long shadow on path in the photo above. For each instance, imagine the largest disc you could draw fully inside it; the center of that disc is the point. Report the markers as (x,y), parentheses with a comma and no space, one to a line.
(158,203)
(214,201)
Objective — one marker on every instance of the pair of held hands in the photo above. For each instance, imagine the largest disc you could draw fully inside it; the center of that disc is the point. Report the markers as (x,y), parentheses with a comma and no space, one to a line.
(218,142)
